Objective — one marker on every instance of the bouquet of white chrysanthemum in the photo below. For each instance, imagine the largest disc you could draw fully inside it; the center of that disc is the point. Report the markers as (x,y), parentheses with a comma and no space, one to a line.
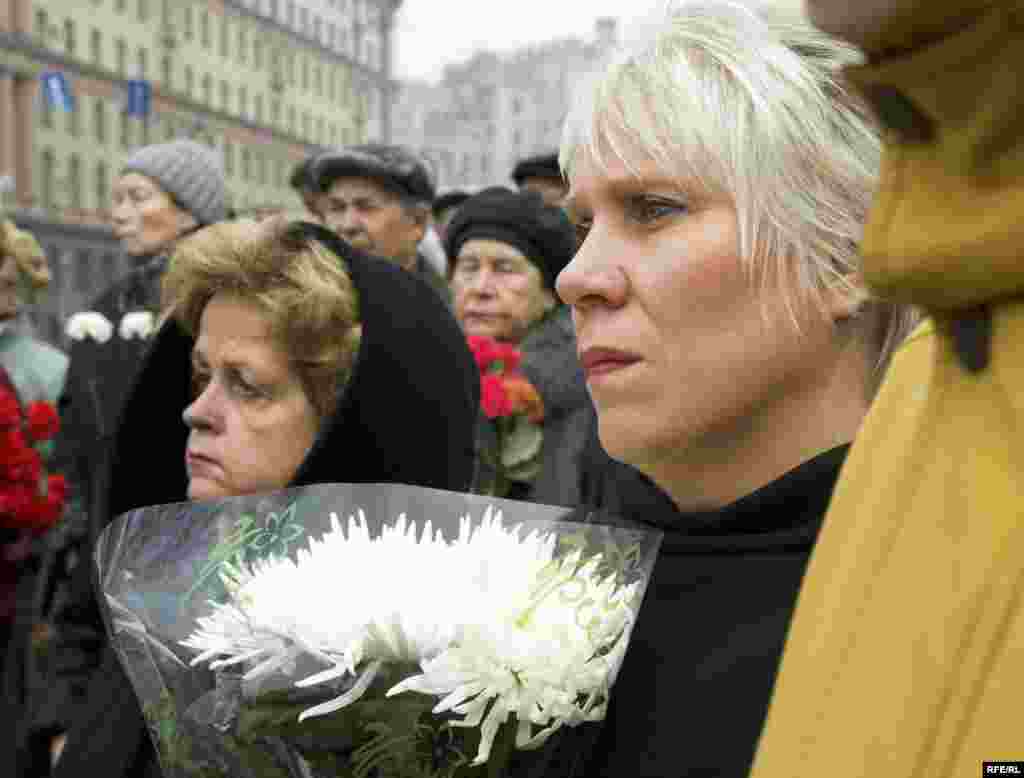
(368,630)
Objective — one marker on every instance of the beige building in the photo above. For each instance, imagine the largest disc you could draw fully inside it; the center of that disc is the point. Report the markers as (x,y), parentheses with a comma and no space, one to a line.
(263,81)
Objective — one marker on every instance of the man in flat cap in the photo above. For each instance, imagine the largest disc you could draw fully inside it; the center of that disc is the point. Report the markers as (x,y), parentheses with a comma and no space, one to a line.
(378,197)
(542,174)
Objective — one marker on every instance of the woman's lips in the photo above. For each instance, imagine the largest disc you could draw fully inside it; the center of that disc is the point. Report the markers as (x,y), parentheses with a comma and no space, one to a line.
(603,361)
(197,464)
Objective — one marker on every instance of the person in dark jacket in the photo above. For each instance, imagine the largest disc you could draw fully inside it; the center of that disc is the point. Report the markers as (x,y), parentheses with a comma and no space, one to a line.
(541,174)
(720,174)
(162,193)
(403,410)
(378,197)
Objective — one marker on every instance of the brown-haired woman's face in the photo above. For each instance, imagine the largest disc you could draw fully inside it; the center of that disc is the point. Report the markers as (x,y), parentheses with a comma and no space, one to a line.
(145,218)
(251,423)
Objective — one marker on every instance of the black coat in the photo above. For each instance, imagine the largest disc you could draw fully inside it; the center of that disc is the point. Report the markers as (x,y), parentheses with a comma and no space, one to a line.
(44,675)
(407,416)
(693,692)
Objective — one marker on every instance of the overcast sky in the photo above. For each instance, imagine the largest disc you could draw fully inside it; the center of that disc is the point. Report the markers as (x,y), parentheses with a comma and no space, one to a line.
(432,33)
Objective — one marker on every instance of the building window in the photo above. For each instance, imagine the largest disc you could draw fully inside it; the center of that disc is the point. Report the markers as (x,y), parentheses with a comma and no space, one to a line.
(275,111)
(304,21)
(243,102)
(45,112)
(120,5)
(318,29)
(291,118)
(99,120)
(96,47)
(229,159)
(257,51)
(225,95)
(306,125)
(204,29)
(246,163)
(122,56)
(143,62)
(290,15)
(46,174)
(243,43)
(305,74)
(75,181)
(273,9)
(225,31)
(318,80)
(126,130)
(189,31)
(102,186)
(257,108)
(259,169)
(332,33)
(170,129)
(42,27)
(189,80)
(321,131)
(143,9)
(207,89)
(69,37)
(168,72)
(74,119)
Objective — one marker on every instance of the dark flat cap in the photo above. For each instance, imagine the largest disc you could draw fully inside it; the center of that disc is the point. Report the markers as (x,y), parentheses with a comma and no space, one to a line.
(397,167)
(540,166)
(521,219)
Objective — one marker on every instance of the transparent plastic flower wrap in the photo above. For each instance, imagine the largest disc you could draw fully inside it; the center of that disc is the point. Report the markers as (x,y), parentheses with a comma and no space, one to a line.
(377,631)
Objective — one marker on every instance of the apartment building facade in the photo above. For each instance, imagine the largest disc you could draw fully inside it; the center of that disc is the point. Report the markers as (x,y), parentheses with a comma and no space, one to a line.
(265,82)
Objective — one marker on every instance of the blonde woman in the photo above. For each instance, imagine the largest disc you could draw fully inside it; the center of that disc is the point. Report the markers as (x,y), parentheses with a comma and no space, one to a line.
(720,175)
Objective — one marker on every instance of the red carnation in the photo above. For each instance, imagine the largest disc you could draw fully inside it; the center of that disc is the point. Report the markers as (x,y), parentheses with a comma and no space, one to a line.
(509,357)
(483,349)
(10,410)
(43,422)
(494,400)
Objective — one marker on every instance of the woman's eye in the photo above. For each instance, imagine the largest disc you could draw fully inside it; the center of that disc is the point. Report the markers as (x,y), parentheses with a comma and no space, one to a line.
(645,209)
(199,383)
(245,389)
(582,228)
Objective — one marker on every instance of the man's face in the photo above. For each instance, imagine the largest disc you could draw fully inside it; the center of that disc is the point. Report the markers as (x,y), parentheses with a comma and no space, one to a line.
(372,218)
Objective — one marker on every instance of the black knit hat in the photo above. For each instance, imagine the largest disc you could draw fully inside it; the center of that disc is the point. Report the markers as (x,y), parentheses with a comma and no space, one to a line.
(397,167)
(523,220)
(540,166)
(450,199)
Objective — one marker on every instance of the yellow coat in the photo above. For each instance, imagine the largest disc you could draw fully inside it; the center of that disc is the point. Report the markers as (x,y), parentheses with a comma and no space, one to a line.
(906,654)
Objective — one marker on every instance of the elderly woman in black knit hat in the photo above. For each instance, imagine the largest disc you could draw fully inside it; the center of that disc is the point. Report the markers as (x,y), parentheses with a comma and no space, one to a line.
(506,248)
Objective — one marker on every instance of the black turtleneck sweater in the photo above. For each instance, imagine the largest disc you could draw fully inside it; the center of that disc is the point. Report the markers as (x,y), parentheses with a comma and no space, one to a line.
(693,692)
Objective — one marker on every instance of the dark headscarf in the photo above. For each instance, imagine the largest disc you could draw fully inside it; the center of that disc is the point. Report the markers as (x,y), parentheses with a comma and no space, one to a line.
(407,416)
(521,219)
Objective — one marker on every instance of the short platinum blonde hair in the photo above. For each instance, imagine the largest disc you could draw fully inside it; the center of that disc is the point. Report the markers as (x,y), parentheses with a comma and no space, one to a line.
(748,102)
(303,289)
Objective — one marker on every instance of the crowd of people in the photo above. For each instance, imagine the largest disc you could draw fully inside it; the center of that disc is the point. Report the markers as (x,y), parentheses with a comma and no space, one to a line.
(765,298)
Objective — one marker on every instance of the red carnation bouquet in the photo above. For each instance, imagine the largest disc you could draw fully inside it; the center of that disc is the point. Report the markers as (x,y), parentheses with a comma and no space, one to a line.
(509,450)
(30,498)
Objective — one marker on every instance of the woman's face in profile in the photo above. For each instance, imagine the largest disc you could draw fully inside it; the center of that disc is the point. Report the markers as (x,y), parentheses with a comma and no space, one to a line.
(145,218)
(251,423)
(683,351)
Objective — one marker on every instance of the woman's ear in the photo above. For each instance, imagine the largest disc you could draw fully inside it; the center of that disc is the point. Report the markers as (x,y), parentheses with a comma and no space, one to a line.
(845,298)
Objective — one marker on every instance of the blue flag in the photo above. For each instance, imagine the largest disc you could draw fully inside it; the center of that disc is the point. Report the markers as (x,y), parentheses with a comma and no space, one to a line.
(57,90)
(139,98)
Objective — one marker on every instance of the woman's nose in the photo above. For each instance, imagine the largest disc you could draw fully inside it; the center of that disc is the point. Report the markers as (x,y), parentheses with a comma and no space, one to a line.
(204,411)
(595,275)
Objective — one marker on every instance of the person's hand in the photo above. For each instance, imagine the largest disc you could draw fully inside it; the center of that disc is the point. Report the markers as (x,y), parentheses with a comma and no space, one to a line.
(880,26)
(57,748)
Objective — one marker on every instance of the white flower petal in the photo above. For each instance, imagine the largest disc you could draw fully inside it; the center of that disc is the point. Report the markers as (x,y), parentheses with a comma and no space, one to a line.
(136,324)
(89,325)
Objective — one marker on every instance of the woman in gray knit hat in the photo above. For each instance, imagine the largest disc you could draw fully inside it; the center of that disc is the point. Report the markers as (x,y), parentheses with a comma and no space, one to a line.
(162,193)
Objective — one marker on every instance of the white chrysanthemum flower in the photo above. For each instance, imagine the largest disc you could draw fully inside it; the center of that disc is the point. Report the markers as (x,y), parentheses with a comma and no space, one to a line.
(89,324)
(136,324)
(498,625)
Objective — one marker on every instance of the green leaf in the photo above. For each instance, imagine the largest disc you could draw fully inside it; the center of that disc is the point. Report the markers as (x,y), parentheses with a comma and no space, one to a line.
(521,444)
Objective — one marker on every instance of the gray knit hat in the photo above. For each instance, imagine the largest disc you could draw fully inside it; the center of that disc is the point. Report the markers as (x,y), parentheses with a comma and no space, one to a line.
(189,172)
